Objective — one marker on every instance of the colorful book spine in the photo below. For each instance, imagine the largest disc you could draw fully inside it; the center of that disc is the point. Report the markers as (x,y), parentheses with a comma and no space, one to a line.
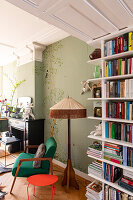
(129,41)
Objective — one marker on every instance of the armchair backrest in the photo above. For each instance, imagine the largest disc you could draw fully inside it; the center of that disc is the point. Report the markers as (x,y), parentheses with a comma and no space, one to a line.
(51,146)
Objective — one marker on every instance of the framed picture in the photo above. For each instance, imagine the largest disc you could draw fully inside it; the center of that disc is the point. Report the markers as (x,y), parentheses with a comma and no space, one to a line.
(97,92)
(98,112)
(4,110)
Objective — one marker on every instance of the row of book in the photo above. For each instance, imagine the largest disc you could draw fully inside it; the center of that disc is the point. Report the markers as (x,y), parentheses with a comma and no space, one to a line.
(111,172)
(113,153)
(120,110)
(111,193)
(119,67)
(94,191)
(127,156)
(96,168)
(119,44)
(97,152)
(119,89)
(119,131)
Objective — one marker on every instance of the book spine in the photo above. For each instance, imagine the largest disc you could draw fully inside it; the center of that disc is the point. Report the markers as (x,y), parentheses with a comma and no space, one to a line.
(129,41)
(124,155)
(121,44)
(105,48)
(116,40)
(106,129)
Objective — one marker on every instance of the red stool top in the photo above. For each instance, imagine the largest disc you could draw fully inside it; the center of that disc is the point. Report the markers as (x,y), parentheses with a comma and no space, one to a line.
(42,179)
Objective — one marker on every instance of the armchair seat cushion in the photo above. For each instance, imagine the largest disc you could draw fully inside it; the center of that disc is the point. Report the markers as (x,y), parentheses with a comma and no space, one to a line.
(26,168)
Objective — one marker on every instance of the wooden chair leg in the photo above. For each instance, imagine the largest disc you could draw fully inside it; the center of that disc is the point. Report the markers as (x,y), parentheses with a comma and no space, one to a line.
(15,178)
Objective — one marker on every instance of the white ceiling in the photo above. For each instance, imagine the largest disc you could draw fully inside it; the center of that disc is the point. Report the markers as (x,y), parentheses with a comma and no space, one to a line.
(19,28)
(86,19)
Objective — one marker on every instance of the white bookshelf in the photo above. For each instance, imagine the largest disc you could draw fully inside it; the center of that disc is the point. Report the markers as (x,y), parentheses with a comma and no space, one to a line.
(114,141)
(112,163)
(103,100)
(114,185)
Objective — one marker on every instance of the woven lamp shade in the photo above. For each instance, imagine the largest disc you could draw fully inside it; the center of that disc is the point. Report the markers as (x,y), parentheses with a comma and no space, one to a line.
(68,108)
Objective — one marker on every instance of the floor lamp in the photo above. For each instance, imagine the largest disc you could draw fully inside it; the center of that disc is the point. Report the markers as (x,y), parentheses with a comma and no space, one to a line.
(68,108)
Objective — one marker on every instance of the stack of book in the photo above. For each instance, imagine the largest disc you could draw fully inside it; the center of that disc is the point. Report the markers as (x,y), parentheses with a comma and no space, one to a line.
(120,110)
(113,153)
(112,193)
(118,67)
(126,182)
(119,131)
(112,173)
(96,168)
(94,191)
(119,44)
(95,151)
(119,89)
(127,156)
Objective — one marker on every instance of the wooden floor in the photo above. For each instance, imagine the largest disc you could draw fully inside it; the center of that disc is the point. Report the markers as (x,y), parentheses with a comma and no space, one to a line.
(42,193)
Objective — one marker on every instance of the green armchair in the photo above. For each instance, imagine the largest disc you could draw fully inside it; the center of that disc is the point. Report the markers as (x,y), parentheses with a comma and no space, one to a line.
(23,166)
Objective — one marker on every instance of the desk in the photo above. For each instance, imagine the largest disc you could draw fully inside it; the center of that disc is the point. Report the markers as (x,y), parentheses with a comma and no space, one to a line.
(8,143)
(42,180)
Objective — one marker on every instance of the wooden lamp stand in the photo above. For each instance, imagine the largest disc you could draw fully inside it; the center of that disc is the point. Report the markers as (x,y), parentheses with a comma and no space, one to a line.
(69,173)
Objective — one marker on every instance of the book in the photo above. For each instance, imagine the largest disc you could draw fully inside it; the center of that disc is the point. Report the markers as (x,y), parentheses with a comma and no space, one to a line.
(106,129)
(125,42)
(129,41)
(124,155)
(125,185)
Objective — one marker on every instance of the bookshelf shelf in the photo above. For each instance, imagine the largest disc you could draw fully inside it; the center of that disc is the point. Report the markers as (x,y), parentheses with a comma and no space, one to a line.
(119,55)
(96,118)
(126,76)
(118,99)
(110,140)
(118,120)
(112,163)
(95,60)
(95,137)
(114,185)
(94,80)
(94,99)
(104,80)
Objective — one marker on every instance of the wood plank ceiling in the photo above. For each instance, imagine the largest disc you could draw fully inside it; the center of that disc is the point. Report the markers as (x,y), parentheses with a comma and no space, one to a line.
(84,19)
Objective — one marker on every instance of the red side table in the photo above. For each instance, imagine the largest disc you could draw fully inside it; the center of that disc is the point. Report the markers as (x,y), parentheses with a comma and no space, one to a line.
(42,180)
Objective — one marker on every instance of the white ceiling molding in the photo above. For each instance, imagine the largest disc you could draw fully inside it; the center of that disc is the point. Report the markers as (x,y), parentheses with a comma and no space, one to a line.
(70,26)
(31,52)
(96,10)
(38,49)
(6,45)
(32,3)
(124,5)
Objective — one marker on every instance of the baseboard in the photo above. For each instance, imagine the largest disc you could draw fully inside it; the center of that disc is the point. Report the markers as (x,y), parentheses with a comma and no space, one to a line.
(77,172)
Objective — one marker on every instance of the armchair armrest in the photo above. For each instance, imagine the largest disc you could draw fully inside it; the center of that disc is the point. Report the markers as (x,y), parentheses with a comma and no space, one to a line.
(35,159)
(30,147)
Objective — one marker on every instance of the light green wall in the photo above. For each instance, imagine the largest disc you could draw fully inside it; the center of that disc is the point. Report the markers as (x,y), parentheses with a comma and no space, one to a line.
(17,74)
(32,86)
(39,88)
(26,72)
(66,62)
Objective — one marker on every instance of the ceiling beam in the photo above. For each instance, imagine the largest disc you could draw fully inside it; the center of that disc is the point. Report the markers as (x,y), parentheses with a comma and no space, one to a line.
(124,5)
(96,10)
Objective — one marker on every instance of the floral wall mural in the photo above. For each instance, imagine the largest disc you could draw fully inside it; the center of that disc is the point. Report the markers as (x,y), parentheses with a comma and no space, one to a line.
(65,66)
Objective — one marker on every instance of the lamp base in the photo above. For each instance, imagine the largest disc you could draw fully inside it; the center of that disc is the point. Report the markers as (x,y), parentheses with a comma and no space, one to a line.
(69,176)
